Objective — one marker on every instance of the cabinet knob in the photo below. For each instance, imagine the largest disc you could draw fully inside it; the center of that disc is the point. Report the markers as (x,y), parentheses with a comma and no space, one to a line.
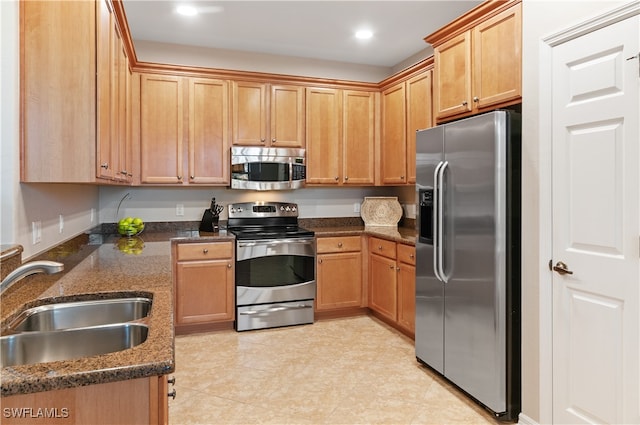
(475,99)
(465,103)
(401,177)
(346,178)
(320,260)
(192,177)
(398,269)
(339,244)
(172,394)
(411,256)
(228,265)
(104,165)
(380,247)
(392,267)
(336,178)
(263,140)
(205,250)
(124,172)
(179,177)
(273,140)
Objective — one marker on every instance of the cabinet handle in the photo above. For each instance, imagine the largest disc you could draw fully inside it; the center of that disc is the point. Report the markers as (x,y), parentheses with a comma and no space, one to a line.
(475,99)
(206,250)
(339,244)
(172,380)
(172,394)
(105,165)
(123,172)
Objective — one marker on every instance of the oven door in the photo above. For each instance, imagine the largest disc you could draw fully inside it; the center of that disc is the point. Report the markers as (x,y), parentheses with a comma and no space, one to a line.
(275,270)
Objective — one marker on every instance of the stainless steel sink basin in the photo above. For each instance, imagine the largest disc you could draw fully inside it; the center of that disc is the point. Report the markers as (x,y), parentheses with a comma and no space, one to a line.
(80,314)
(39,347)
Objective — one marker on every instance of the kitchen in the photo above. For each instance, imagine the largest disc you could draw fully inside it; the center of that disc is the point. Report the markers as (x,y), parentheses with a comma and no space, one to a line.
(82,205)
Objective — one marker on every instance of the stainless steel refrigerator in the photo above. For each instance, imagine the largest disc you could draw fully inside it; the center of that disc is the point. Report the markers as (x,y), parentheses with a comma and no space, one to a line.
(468,257)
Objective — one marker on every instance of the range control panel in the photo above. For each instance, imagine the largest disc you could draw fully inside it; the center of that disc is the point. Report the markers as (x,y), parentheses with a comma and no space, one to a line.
(263,209)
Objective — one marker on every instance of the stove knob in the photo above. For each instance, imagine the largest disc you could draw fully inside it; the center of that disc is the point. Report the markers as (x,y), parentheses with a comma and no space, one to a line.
(287,208)
(293,209)
(240,209)
(281,208)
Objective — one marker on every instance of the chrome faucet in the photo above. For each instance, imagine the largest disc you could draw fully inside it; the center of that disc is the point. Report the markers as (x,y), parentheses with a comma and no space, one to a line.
(26,269)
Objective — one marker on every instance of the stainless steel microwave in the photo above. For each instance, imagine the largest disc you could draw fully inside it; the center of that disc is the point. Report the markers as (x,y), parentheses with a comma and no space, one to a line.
(263,168)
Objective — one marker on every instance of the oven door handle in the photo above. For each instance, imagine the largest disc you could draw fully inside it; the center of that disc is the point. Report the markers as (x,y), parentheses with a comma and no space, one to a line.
(271,242)
(276,309)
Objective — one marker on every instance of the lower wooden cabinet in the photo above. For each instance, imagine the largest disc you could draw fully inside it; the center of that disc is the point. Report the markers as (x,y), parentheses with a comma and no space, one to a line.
(392,282)
(339,273)
(407,287)
(131,402)
(203,283)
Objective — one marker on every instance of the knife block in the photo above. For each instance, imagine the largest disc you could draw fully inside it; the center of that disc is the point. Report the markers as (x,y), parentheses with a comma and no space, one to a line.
(209,222)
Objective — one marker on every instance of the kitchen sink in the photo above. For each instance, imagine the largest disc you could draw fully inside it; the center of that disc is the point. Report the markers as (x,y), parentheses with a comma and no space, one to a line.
(80,314)
(39,347)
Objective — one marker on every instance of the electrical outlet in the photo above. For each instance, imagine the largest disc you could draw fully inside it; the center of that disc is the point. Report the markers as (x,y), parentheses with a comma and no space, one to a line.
(36,231)
(61,223)
(93,215)
(356,207)
(179,210)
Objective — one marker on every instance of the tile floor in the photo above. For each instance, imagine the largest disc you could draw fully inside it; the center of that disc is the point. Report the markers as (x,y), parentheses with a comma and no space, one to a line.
(343,371)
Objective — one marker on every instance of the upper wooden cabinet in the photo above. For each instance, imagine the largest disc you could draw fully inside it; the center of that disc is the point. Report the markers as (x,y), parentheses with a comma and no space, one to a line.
(113,142)
(58,91)
(267,115)
(178,147)
(406,107)
(478,61)
(340,131)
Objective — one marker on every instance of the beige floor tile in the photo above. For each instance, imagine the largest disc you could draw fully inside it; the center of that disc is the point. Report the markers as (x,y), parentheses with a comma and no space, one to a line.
(350,371)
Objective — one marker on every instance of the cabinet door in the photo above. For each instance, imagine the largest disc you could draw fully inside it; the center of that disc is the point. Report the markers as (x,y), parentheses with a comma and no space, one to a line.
(204,291)
(208,131)
(393,154)
(383,278)
(287,116)
(497,59)
(58,91)
(104,146)
(339,281)
(452,76)
(249,113)
(358,137)
(161,129)
(323,136)
(407,296)
(119,94)
(419,116)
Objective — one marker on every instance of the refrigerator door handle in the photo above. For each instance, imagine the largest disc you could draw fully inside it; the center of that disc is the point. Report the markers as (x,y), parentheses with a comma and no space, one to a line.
(440,231)
(436,220)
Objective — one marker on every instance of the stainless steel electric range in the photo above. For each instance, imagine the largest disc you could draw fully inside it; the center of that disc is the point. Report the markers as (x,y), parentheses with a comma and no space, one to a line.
(275,265)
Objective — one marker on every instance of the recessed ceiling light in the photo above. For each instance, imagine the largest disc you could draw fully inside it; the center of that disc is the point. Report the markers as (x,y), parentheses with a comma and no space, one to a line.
(186,10)
(364,34)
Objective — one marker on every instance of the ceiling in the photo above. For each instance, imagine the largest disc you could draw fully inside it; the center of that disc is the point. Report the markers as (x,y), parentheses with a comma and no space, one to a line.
(307,29)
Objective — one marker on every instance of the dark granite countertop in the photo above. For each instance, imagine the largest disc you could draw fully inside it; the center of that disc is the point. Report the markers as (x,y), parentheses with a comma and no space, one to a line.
(397,234)
(102,266)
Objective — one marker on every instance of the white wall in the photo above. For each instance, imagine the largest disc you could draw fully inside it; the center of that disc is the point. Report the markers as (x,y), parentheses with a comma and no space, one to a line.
(540,19)
(24,203)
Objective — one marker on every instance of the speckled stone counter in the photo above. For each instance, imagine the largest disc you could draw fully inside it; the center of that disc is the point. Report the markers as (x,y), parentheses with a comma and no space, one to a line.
(102,266)
(355,227)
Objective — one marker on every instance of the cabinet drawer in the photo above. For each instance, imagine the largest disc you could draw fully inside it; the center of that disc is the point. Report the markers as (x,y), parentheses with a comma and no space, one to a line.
(382,247)
(407,254)
(205,251)
(338,244)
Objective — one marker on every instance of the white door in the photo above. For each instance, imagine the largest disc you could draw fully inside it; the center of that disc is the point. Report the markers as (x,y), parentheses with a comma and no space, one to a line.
(596,215)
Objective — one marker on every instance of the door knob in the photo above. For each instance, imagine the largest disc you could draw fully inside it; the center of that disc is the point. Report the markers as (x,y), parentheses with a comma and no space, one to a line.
(561,268)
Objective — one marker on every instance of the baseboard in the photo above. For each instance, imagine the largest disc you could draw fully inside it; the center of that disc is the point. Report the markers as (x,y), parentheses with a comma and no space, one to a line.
(526,420)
